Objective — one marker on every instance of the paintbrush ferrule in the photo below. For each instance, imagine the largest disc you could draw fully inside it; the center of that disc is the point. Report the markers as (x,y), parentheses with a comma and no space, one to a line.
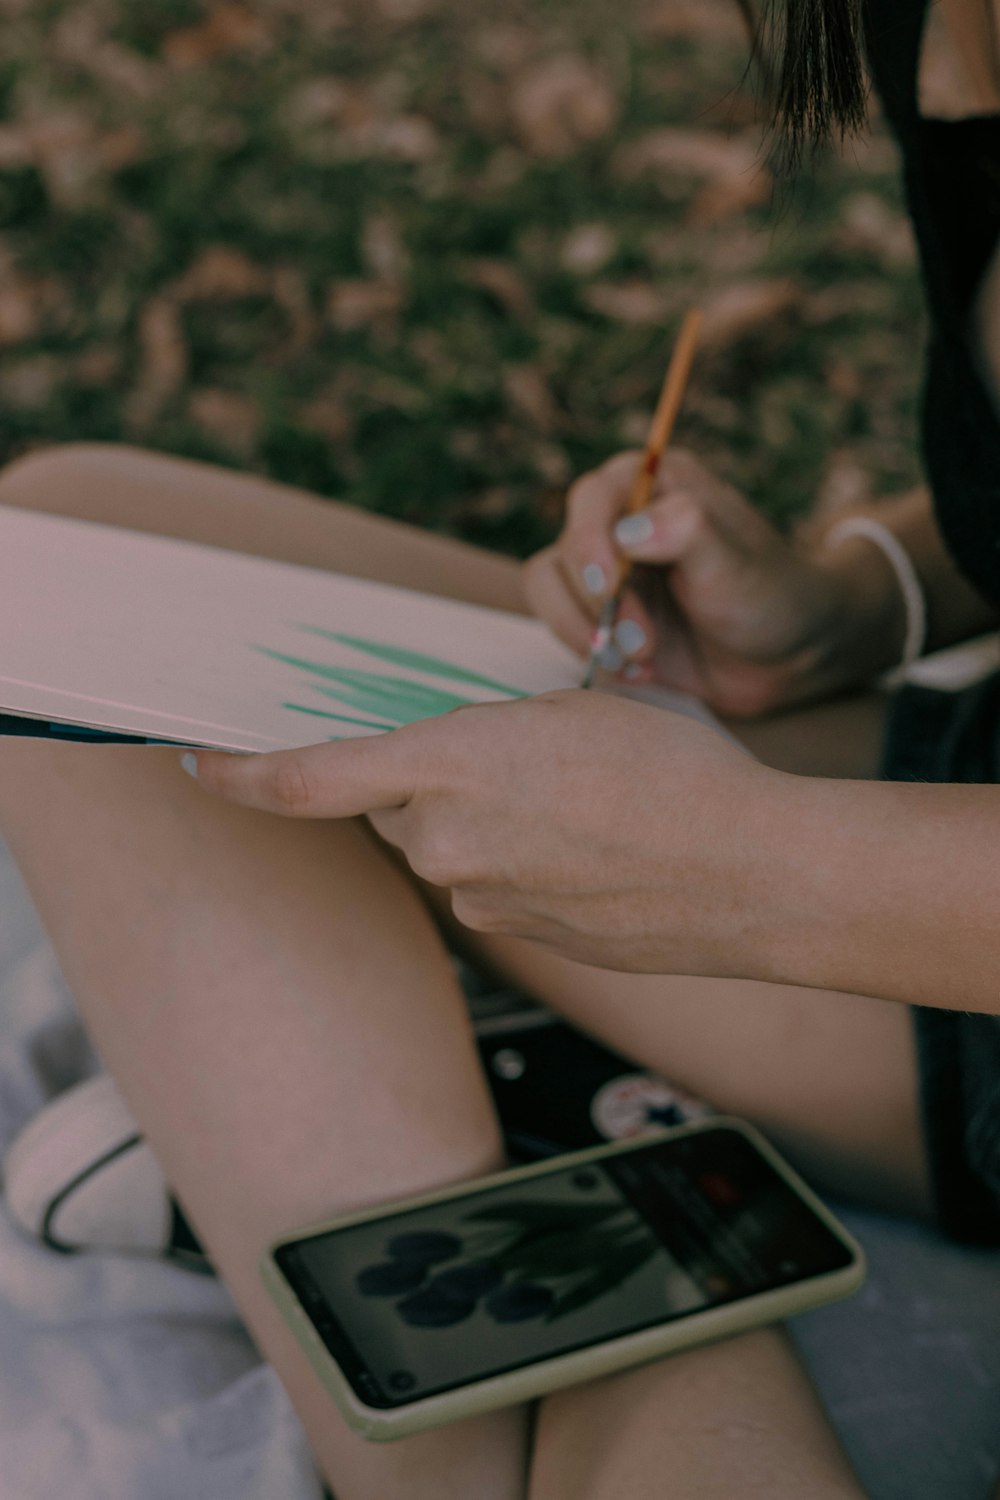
(603,651)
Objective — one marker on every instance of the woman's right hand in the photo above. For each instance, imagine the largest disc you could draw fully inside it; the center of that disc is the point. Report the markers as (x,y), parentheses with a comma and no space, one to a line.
(728,609)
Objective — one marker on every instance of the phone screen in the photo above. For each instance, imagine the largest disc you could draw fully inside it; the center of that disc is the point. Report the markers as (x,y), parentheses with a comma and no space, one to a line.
(416,1303)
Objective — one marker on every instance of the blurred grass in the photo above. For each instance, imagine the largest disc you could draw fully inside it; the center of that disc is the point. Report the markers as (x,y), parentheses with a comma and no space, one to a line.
(407,253)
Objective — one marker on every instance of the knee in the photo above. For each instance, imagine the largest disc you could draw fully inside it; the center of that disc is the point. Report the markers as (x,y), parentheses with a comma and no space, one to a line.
(44,479)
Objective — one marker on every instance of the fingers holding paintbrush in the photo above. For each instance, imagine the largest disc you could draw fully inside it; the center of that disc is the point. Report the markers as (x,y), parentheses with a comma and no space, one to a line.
(660,433)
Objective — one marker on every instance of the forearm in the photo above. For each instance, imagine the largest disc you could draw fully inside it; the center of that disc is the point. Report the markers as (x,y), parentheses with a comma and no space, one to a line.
(880,888)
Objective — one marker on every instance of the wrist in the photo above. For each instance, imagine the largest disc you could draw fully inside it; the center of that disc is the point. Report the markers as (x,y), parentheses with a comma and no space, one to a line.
(794,877)
(736,917)
(807,881)
(863,859)
(867,617)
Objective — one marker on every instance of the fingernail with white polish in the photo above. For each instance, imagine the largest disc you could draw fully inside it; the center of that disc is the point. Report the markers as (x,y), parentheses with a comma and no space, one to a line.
(629,637)
(189,763)
(632,531)
(594,578)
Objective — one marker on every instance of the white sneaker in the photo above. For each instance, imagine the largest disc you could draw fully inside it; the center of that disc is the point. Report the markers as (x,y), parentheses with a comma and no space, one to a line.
(80,1176)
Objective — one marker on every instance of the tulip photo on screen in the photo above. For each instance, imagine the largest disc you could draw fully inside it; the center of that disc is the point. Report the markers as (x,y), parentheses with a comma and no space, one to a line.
(517,1261)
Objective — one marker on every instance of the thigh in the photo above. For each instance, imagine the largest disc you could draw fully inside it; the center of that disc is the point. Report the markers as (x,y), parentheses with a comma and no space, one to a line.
(737,1418)
(176,497)
(840,738)
(831,1077)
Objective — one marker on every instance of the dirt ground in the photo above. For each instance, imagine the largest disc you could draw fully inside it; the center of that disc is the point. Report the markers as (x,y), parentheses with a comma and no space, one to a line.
(429,255)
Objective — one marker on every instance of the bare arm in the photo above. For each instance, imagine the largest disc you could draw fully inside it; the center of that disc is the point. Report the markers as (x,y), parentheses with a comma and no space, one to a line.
(887,889)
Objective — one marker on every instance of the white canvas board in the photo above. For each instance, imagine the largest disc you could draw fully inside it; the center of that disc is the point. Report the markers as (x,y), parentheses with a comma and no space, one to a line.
(112,628)
(119,630)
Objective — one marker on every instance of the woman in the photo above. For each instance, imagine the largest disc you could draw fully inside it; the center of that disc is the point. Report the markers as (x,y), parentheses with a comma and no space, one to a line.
(284,968)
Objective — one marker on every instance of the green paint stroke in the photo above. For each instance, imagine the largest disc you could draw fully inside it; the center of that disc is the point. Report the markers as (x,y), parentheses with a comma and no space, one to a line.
(402,706)
(322,713)
(397,698)
(417,661)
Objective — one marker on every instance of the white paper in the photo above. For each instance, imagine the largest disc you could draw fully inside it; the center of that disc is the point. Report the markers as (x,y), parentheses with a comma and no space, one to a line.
(119,630)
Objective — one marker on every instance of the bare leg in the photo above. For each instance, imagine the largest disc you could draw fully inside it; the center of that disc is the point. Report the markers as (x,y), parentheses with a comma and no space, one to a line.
(151,1002)
(123,486)
(277,1007)
(830,1077)
(732,1419)
(274,1001)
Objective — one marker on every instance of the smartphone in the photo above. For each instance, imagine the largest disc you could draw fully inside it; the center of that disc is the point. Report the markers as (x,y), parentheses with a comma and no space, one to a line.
(462,1301)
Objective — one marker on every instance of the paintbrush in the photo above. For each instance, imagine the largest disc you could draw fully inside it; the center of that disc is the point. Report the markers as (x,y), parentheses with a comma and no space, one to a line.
(660,430)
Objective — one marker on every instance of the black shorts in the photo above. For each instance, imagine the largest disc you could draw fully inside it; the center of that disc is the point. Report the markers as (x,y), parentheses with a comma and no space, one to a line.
(942,736)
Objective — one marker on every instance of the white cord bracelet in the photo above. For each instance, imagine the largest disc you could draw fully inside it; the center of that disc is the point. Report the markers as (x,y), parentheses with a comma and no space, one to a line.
(906,576)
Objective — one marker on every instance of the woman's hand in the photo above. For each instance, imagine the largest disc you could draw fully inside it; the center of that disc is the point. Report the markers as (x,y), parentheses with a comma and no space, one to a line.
(720,604)
(608,831)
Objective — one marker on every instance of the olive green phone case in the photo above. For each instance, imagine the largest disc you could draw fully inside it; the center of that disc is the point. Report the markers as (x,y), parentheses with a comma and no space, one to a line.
(579,1365)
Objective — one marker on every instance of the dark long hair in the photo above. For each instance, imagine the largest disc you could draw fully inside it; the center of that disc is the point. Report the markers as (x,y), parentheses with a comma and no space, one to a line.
(810,53)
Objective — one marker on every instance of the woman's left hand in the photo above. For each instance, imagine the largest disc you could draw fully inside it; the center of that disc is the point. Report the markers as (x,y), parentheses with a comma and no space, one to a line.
(608,831)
